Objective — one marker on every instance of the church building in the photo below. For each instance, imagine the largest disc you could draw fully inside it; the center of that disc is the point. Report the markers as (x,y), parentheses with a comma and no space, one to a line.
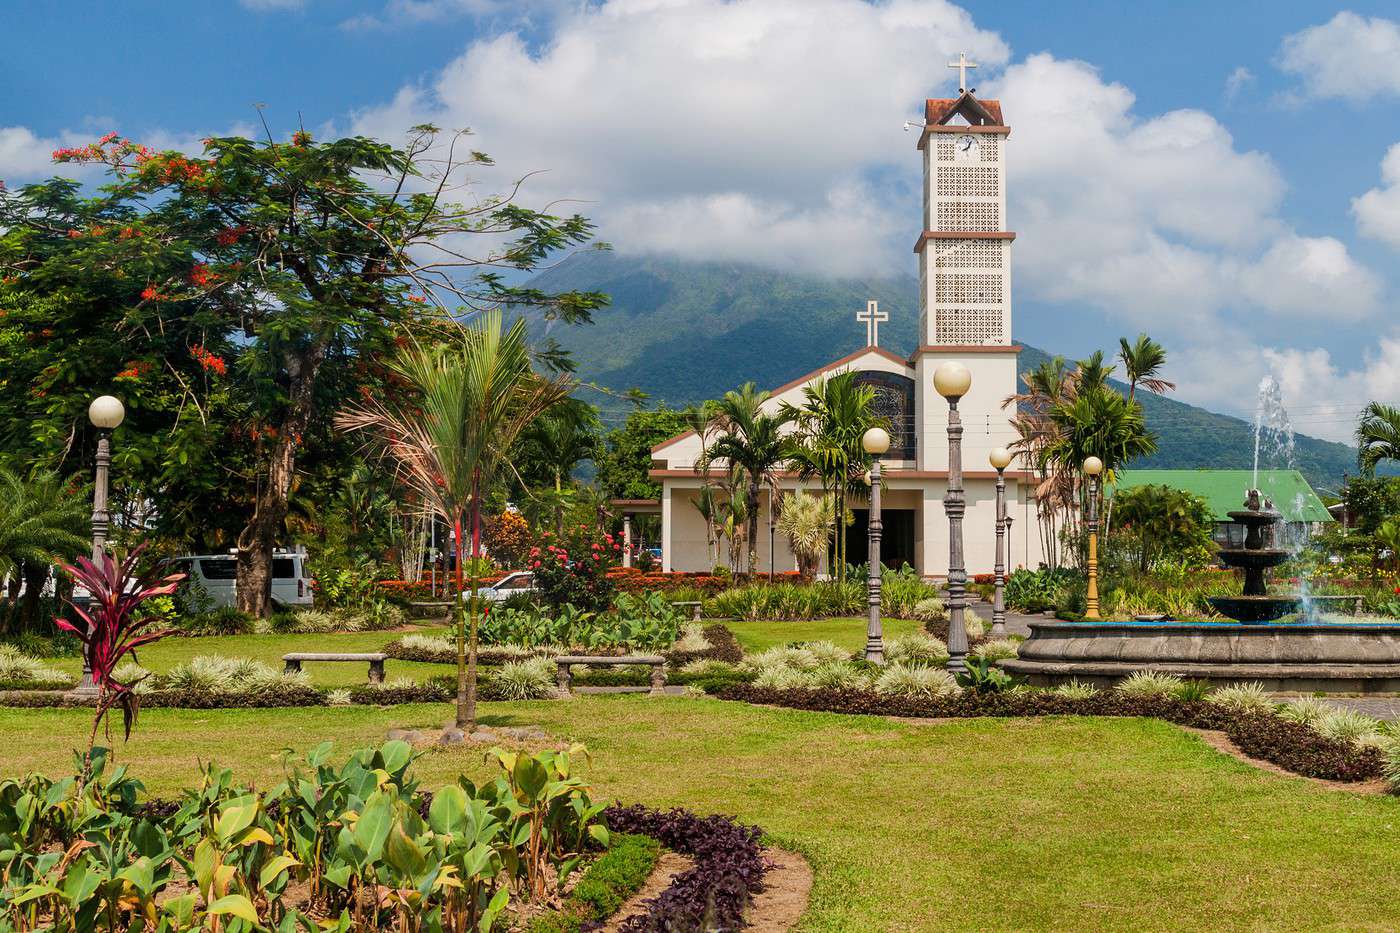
(964,256)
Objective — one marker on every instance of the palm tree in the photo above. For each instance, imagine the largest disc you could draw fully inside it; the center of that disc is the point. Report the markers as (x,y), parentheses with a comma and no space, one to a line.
(1377,436)
(835,414)
(753,442)
(42,523)
(1142,360)
(708,506)
(450,439)
(565,435)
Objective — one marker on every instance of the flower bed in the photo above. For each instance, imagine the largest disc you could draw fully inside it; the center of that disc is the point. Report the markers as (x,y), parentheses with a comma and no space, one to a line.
(728,871)
(1294,746)
(722,646)
(632,580)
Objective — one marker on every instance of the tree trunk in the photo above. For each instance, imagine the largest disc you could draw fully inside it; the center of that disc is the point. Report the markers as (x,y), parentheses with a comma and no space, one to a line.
(467,642)
(258,538)
(752,500)
(35,576)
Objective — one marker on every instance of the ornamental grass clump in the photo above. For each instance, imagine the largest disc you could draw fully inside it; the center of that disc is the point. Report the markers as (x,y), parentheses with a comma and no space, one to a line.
(839,675)
(783,657)
(1076,690)
(916,681)
(1243,698)
(19,670)
(916,647)
(974,625)
(532,679)
(783,678)
(703,667)
(826,652)
(1149,684)
(1306,710)
(427,643)
(1001,649)
(930,609)
(692,638)
(1346,725)
(217,674)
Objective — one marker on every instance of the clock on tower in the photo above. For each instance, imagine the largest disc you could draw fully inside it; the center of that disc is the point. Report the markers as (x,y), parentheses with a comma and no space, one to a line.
(965,249)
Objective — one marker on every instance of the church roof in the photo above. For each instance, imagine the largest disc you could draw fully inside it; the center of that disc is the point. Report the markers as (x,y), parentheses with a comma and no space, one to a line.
(800,380)
(938,111)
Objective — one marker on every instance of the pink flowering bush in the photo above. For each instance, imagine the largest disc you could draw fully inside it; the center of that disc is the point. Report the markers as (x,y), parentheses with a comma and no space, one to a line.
(573,568)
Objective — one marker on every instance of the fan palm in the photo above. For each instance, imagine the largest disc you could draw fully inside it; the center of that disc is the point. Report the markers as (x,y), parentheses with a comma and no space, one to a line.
(468,402)
(1142,360)
(807,521)
(752,441)
(41,524)
(1377,436)
(557,442)
(835,414)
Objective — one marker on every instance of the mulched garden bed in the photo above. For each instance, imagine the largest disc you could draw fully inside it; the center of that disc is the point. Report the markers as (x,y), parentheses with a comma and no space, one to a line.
(1290,745)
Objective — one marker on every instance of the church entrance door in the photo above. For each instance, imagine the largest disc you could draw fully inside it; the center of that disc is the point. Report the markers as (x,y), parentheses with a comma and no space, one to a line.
(896,538)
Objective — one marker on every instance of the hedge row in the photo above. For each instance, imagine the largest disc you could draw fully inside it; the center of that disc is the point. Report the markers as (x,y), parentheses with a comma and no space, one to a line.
(605,886)
(723,647)
(1293,746)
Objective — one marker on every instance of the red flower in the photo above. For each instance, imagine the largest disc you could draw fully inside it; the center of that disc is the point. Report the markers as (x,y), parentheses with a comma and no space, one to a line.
(200,274)
(417,299)
(150,294)
(230,235)
(74,234)
(207,360)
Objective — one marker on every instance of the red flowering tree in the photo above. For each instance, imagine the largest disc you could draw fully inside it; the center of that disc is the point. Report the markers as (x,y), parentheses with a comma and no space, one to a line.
(261,282)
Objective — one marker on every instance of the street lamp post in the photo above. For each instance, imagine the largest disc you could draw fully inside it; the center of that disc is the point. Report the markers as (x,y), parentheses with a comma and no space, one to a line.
(1000,459)
(952,380)
(106,414)
(875,441)
(1093,466)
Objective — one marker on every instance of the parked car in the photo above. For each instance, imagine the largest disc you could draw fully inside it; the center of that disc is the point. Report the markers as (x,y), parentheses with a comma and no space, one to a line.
(522,581)
(216,576)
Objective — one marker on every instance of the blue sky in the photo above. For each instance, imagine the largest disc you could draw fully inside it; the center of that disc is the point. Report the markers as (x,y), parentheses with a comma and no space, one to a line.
(1152,190)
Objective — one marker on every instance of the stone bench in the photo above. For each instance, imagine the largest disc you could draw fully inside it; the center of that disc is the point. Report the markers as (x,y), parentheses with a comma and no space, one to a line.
(566,662)
(692,605)
(375,660)
(430,610)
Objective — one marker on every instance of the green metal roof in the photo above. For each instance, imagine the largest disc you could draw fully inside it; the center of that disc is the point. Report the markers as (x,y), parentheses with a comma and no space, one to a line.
(1224,490)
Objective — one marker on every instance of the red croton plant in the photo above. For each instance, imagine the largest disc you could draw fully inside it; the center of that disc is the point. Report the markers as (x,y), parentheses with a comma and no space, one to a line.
(115,625)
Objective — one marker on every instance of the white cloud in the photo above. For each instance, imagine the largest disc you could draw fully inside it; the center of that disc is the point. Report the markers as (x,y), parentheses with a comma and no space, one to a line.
(1321,395)
(1351,57)
(22,154)
(417,12)
(1377,212)
(754,112)
(25,156)
(1159,221)
(1236,82)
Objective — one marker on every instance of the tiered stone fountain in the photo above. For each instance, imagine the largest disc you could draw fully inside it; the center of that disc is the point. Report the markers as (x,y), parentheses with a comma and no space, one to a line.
(1307,656)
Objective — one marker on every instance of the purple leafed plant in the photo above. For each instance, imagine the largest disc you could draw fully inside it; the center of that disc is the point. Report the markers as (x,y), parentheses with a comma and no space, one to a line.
(712,895)
(114,626)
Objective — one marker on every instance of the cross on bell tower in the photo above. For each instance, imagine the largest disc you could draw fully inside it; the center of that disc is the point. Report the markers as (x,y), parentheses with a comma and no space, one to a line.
(962,64)
(871,318)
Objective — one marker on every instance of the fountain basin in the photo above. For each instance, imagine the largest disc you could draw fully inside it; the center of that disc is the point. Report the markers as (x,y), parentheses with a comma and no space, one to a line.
(1332,658)
(1250,560)
(1255,610)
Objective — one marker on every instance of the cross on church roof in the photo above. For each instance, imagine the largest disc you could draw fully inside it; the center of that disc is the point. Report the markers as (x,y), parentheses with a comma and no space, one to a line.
(962,64)
(871,317)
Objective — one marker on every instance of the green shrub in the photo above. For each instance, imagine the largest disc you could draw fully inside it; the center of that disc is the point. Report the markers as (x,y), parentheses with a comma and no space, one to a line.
(785,657)
(1193,690)
(606,885)
(839,675)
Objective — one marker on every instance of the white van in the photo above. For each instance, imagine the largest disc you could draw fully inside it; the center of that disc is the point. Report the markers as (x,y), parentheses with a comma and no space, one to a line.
(216,576)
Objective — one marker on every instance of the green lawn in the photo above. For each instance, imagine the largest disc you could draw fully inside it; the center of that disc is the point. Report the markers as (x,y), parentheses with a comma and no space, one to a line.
(984,823)
(848,633)
(169,652)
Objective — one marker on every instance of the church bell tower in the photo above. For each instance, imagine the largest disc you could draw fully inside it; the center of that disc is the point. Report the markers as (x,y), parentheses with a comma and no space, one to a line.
(965,248)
